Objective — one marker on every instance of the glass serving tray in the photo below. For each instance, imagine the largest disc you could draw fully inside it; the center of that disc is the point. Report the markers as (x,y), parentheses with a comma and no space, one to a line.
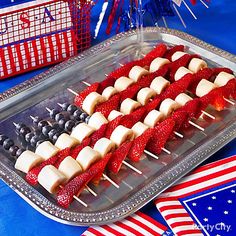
(31,98)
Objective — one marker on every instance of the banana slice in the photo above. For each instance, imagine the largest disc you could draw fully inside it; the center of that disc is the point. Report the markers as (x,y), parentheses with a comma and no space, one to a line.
(108,92)
(121,134)
(82,131)
(139,128)
(113,114)
(182,71)
(91,101)
(158,63)
(204,87)
(69,167)
(87,157)
(65,141)
(97,120)
(153,117)
(123,83)
(46,150)
(104,146)
(145,94)
(128,106)
(27,160)
(223,78)
(168,106)
(177,55)
(159,84)
(182,99)
(137,72)
(196,64)
(50,178)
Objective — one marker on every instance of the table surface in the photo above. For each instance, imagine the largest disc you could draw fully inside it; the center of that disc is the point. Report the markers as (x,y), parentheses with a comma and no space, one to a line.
(214,25)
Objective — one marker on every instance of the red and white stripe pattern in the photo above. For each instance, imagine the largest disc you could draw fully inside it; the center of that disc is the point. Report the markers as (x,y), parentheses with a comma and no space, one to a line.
(139,224)
(203,178)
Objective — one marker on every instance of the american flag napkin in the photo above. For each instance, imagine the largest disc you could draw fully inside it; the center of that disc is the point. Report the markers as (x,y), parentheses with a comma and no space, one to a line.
(139,224)
(204,202)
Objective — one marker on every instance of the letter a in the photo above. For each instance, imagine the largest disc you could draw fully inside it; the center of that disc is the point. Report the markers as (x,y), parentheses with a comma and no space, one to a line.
(47,13)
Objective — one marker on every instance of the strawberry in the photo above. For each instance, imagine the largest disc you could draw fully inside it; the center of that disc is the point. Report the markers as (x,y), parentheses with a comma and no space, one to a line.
(75,151)
(152,105)
(172,50)
(183,61)
(216,71)
(109,81)
(102,165)
(230,87)
(131,119)
(98,134)
(158,51)
(112,125)
(139,145)
(62,155)
(32,175)
(118,156)
(160,135)
(130,92)
(106,107)
(82,95)
(77,184)
(180,118)
(177,87)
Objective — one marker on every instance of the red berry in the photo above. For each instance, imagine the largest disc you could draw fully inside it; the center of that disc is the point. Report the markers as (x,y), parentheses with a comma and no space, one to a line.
(160,135)
(118,156)
(106,107)
(216,71)
(75,151)
(172,50)
(62,155)
(158,51)
(109,81)
(112,125)
(98,134)
(82,95)
(180,118)
(130,92)
(152,105)
(139,145)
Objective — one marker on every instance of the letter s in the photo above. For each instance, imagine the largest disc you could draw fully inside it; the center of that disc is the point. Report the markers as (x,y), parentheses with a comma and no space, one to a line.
(24,17)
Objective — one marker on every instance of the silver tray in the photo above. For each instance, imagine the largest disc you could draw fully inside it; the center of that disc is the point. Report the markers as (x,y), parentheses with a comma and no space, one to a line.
(46,89)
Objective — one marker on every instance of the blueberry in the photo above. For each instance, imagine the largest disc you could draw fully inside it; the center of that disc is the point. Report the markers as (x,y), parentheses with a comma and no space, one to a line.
(53,112)
(7,144)
(65,106)
(55,137)
(29,136)
(51,133)
(62,122)
(77,114)
(56,126)
(83,116)
(34,140)
(87,119)
(71,109)
(13,150)
(2,138)
(69,125)
(19,152)
(46,129)
(42,123)
(59,116)
(36,120)
(24,130)
(19,126)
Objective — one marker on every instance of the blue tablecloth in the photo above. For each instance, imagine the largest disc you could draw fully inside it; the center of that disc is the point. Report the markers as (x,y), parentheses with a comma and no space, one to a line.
(214,25)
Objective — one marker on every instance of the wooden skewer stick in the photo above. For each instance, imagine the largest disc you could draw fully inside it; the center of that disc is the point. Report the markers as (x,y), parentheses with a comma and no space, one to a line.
(132,167)
(179,15)
(86,83)
(178,134)
(229,101)
(151,154)
(106,75)
(204,4)
(110,180)
(196,126)
(208,114)
(191,12)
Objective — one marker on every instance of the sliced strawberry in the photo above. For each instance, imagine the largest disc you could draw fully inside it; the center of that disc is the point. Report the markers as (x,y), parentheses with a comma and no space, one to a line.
(180,118)
(160,135)
(32,176)
(172,50)
(158,51)
(118,156)
(102,165)
(131,119)
(177,87)
(98,134)
(152,105)
(75,186)
(62,155)
(130,92)
(231,88)
(139,145)
(109,81)
(106,107)
(216,71)
(82,95)
(112,125)
(75,151)
(183,61)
